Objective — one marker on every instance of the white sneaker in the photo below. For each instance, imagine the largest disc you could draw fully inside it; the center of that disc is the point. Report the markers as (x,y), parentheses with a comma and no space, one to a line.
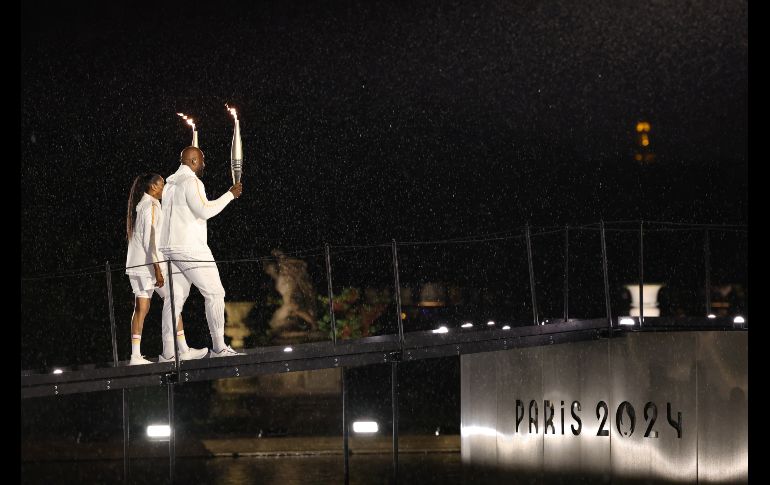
(191,354)
(138,360)
(226,352)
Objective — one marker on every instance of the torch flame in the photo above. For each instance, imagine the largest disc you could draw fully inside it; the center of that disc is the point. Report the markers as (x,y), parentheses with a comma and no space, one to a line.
(232,111)
(188,119)
(236,149)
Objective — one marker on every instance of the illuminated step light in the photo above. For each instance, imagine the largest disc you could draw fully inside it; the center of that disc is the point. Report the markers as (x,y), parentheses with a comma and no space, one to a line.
(739,319)
(441,329)
(466,325)
(57,371)
(506,327)
(365,427)
(158,431)
(627,321)
(711,315)
(287,349)
(490,323)
(438,431)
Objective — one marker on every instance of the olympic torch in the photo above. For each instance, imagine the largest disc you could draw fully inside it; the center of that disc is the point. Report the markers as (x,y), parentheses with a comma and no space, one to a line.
(236,150)
(191,123)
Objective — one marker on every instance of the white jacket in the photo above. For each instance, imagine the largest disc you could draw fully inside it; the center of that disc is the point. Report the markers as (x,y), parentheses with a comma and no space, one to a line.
(186,210)
(143,247)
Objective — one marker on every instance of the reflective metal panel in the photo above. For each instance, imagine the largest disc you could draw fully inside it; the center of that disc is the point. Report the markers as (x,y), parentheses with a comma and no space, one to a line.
(653,372)
(576,375)
(659,407)
(519,384)
(723,393)
(479,424)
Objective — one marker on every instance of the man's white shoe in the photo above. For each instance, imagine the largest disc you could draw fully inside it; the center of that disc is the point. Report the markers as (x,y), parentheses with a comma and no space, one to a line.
(138,360)
(191,354)
(226,352)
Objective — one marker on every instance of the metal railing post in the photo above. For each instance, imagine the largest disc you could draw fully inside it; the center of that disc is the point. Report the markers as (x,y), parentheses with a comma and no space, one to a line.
(126,436)
(707,257)
(531,276)
(332,318)
(111,304)
(174,320)
(641,273)
(394,403)
(607,307)
(397,284)
(345,429)
(172,432)
(566,273)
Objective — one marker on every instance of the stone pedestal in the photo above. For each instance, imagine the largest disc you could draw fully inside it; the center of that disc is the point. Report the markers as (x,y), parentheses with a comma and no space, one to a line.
(235,327)
(650,293)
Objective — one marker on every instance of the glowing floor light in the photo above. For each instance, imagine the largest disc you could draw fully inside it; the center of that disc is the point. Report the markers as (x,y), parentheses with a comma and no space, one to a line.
(627,321)
(441,329)
(466,325)
(739,319)
(490,323)
(57,371)
(287,349)
(711,315)
(365,427)
(158,431)
(506,327)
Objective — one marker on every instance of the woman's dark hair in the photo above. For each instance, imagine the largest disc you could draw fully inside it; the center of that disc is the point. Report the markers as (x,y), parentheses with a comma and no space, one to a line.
(138,188)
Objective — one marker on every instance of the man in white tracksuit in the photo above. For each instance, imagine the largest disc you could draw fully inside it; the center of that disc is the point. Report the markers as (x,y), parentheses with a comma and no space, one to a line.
(183,240)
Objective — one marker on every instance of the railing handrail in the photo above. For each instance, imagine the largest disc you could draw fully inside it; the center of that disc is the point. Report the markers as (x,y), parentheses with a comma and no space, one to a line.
(543,230)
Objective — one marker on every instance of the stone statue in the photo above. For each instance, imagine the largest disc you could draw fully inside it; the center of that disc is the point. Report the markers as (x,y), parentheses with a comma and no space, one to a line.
(298,311)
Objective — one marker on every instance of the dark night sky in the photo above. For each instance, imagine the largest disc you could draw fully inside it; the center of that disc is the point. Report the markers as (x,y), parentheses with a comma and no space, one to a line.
(366,121)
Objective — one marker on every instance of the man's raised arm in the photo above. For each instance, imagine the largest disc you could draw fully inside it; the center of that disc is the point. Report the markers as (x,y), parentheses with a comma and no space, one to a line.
(203,208)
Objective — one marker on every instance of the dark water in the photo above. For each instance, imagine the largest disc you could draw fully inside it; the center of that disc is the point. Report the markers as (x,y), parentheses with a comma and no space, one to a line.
(433,468)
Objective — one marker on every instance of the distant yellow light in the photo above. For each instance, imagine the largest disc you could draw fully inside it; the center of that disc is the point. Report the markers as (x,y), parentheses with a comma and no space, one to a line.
(645,140)
(403,316)
(642,127)
(638,157)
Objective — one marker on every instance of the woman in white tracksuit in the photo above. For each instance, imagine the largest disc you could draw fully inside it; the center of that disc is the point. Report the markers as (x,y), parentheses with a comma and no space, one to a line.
(184,241)
(143,222)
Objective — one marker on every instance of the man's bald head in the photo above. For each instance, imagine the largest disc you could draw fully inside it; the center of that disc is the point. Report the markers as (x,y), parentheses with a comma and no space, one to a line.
(193,157)
(190,153)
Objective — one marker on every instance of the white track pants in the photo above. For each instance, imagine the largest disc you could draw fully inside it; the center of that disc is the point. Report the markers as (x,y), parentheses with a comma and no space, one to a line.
(205,277)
